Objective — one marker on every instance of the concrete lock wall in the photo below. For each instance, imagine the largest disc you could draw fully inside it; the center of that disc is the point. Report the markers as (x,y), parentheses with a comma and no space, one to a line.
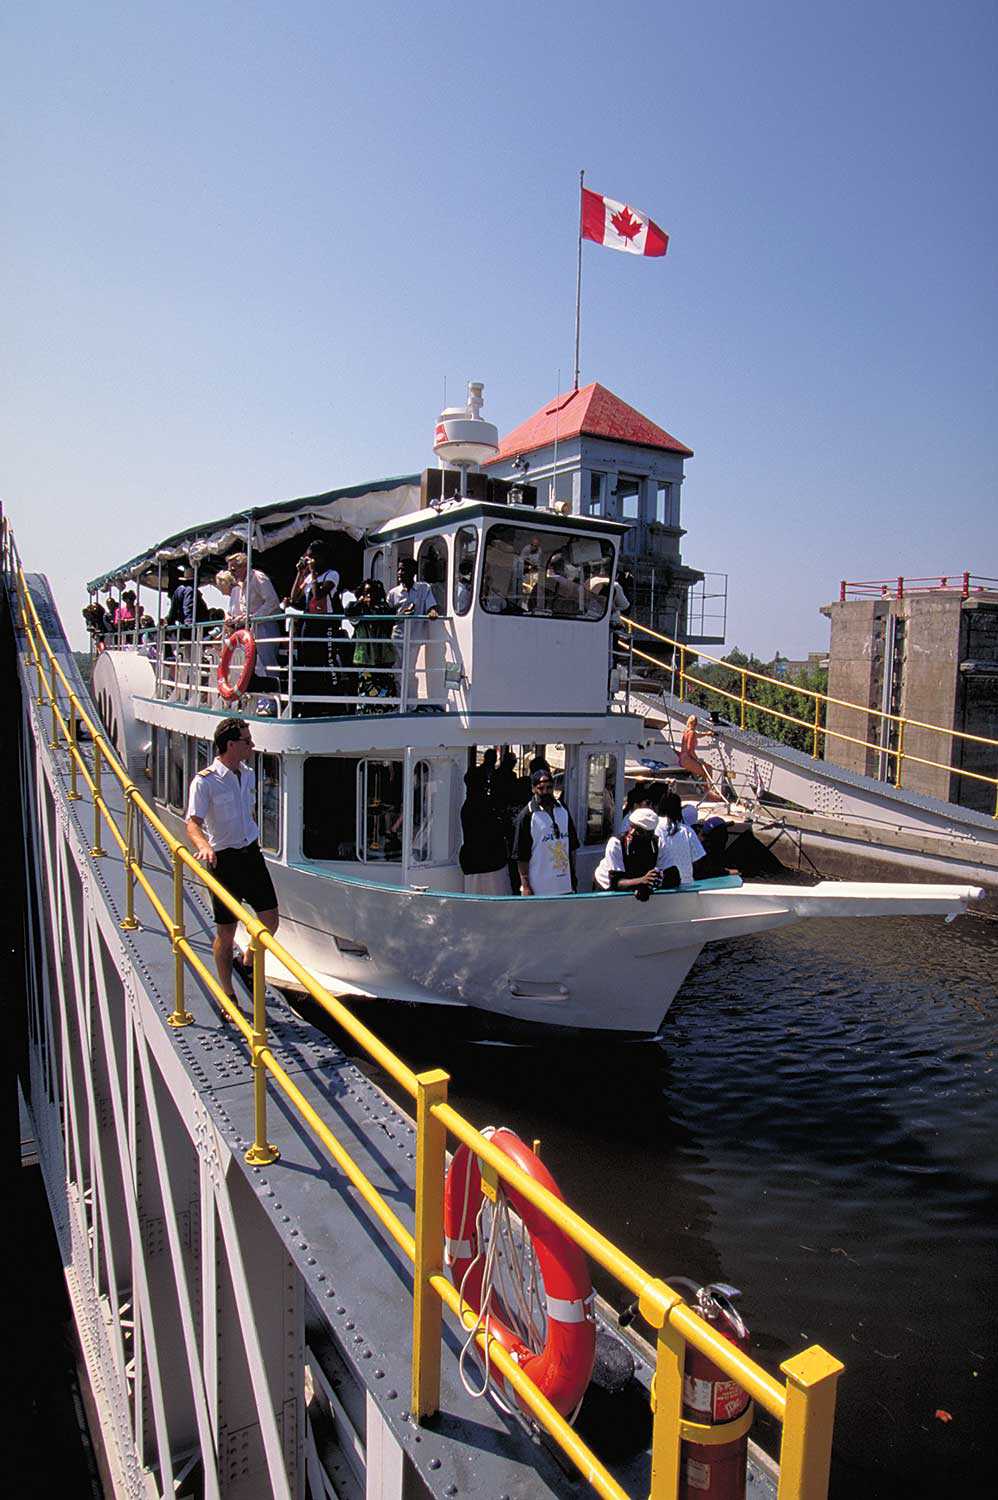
(855,674)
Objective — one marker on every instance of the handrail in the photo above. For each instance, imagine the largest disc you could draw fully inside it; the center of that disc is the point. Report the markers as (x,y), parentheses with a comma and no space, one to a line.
(817,726)
(804,1404)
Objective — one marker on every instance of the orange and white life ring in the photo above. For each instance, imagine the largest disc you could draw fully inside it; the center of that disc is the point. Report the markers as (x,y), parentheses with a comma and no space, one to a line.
(239,640)
(562,1369)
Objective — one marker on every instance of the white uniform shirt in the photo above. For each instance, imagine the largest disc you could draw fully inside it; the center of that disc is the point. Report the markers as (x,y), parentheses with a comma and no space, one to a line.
(680,849)
(227,805)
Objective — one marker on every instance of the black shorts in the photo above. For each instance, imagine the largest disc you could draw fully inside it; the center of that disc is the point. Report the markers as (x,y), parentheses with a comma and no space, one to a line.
(244,874)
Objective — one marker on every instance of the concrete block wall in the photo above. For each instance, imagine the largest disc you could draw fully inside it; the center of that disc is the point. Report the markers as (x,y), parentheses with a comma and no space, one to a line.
(855,674)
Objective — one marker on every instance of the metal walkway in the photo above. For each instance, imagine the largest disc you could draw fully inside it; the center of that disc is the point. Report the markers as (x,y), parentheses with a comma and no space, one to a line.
(248,1330)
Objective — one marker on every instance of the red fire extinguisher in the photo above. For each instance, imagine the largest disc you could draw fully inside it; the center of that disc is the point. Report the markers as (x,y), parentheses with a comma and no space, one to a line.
(716,1470)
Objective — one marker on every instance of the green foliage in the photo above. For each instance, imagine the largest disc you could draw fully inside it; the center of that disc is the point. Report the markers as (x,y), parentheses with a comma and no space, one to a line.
(766,700)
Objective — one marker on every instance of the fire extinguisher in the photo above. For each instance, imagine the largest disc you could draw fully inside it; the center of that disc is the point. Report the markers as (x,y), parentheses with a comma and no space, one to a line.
(710,1398)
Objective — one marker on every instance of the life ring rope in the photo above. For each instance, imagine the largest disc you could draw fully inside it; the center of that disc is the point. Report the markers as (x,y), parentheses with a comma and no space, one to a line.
(536,1273)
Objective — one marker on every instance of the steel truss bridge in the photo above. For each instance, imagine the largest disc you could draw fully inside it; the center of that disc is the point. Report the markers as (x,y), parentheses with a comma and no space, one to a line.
(252,1232)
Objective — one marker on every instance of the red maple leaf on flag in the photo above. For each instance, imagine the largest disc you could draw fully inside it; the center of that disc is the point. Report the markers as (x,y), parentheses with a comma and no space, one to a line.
(626,225)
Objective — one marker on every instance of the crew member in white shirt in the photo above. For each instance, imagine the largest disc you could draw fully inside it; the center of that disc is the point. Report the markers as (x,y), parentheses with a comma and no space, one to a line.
(221,826)
(250,600)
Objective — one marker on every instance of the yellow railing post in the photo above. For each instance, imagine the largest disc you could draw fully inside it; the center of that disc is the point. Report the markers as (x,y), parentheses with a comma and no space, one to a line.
(54,704)
(427,1309)
(181,1015)
(73,794)
(816,742)
(40,695)
(129,924)
(806,1446)
(899,752)
(741,705)
(666,1391)
(261,1153)
(682,673)
(96,850)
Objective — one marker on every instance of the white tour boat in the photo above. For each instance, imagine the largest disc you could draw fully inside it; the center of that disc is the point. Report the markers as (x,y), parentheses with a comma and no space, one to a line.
(361,756)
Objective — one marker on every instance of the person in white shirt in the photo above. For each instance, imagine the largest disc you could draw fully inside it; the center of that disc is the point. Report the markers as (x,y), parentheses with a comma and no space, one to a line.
(252,599)
(678,842)
(545,841)
(411,597)
(222,829)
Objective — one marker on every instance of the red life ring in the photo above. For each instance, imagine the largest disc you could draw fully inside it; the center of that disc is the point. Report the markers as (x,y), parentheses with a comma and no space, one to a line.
(562,1370)
(238,639)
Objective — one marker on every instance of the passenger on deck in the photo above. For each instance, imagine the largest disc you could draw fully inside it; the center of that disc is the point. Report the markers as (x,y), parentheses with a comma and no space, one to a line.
(411,597)
(680,845)
(633,861)
(252,600)
(96,620)
(316,590)
(545,841)
(124,615)
(223,833)
(373,651)
(484,853)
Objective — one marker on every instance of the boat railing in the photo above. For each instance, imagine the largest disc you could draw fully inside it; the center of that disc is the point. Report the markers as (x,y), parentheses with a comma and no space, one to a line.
(893,744)
(308,665)
(804,1403)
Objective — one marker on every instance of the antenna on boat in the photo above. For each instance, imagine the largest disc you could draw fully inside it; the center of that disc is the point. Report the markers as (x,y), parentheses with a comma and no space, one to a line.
(462,439)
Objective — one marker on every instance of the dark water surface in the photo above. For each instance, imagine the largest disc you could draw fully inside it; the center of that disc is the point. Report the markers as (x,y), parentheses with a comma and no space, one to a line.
(818,1125)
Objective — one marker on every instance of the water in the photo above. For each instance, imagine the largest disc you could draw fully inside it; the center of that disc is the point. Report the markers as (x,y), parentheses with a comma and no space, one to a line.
(818,1126)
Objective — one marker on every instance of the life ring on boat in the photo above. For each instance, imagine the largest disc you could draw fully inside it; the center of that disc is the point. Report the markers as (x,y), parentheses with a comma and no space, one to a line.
(562,1369)
(238,640)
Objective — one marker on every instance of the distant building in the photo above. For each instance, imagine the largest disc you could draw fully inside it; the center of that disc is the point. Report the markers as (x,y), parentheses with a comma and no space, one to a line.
(927,652)
(790,669)
(592,452)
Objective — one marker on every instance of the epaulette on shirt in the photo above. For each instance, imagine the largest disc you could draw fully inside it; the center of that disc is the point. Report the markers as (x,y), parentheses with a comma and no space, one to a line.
(205,772)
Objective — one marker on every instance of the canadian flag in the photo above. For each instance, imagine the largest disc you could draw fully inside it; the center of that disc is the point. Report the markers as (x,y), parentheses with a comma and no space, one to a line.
(620,227)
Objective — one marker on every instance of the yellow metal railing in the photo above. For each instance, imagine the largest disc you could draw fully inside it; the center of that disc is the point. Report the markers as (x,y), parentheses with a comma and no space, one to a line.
(815,724)
(804,1404)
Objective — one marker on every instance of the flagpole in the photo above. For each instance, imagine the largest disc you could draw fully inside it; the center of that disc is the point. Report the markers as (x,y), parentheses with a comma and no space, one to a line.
(578,285)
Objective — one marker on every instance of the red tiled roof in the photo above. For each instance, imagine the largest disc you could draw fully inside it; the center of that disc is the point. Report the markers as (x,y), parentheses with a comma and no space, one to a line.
(593,410)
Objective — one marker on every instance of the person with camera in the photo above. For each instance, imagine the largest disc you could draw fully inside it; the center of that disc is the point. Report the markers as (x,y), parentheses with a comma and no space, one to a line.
(316,591)
(638,860)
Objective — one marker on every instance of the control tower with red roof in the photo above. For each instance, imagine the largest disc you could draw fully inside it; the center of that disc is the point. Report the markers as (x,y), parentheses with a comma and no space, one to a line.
(593,454)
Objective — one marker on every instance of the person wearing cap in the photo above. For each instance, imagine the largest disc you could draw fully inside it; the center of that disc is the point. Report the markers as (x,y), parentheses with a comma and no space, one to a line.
(632,862)
(545,841)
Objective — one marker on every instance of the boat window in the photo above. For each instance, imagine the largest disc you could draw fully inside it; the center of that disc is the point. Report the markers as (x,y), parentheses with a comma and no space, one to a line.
(465,556)
(159,764)
(204,754)
(422,813)
(379,804)
(544,573)
(329,807)
(431,567)
(268,801)
(601,793)
(176,770)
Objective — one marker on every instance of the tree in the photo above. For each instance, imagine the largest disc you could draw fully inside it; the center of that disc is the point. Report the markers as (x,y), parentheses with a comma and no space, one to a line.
(766,701)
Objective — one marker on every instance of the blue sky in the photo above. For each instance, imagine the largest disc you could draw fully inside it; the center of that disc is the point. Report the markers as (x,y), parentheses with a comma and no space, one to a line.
(245,243)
